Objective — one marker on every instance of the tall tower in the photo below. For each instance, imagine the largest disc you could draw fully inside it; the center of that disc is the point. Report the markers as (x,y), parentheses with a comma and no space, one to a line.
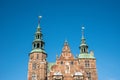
(37,66)
(87,60)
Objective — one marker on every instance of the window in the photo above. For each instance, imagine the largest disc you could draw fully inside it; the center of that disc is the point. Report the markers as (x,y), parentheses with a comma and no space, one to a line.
(38,36)
(34,45)
(89,75)
(87,64)
(37,56)
(61,62)
(84,49)
(34,77)
(71,62)
(38,45)
(34,66)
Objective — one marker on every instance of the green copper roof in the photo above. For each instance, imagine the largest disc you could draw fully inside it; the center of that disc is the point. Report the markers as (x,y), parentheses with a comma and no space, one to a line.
(83,44)
(86,55)
(37,40)
(38,50)
(50,65)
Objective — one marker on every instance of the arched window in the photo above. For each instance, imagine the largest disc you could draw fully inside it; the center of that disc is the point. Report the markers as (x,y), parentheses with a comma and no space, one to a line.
(84,50)
(34,45)
(38,45)
(38,36)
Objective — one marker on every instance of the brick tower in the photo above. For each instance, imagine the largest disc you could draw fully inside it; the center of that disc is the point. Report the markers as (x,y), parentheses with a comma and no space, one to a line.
(87,60)
(37,66)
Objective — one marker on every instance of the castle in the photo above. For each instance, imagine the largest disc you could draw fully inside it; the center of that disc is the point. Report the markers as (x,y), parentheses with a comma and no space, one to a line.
(66,67)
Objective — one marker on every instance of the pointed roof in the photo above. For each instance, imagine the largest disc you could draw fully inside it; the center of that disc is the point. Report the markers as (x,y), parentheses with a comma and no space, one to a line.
(66,52)
(83,38)
(38,28)
(83,42)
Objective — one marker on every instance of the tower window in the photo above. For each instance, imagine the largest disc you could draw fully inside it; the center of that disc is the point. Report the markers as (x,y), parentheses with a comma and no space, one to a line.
(34,77)
(89,75)
(38,36)
(34,46)
(38,45)
(34,66)
(87,64)
(37,56)
(84,50)
(42,46)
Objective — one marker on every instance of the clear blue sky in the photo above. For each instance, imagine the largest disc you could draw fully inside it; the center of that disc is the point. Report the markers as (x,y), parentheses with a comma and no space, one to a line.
(62,19)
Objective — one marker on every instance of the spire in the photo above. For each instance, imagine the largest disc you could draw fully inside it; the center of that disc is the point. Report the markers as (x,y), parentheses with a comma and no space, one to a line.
(83,32)
(38,43)
(83,46)
(83,39)
(38,28)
